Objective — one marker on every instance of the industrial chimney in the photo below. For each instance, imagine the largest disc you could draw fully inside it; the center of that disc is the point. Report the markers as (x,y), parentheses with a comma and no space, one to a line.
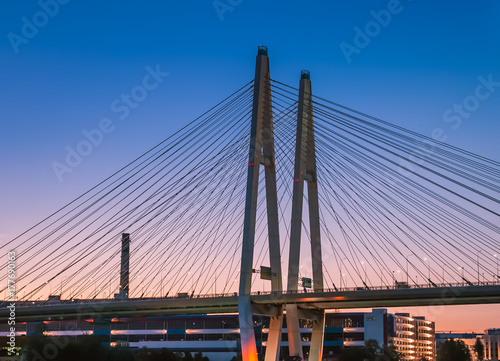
(124,273)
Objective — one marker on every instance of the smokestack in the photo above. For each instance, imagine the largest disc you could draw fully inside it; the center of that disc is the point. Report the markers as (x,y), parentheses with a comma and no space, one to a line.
(124,285)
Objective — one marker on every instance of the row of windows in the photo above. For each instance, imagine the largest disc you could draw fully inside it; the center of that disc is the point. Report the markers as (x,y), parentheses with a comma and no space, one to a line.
(332,321)
(158,325)
(178,324)
(403,320)
(403,328)
(329,336)
(345,322)
(403,335)
(355,336)
(52,326)
(398,343)
(166,337)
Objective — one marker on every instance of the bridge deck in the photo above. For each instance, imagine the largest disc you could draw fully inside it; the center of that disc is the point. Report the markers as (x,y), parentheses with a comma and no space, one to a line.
(81,309)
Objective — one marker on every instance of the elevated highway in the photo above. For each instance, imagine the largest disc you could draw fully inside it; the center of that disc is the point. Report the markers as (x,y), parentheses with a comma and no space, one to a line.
(267,303)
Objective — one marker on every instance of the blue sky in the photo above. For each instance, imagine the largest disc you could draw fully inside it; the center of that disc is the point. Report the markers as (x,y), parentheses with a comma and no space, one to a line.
(63,80)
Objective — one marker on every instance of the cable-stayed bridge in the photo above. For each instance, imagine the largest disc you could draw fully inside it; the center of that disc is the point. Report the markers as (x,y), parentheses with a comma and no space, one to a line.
(358,211)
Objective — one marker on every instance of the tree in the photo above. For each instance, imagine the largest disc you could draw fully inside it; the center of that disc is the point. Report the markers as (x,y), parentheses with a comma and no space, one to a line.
(198,356)
(479,350)
(354,354)
(163,354)
(118,354)
(188,356)
(372,348)
(454,350)
(391,354)
(142,354)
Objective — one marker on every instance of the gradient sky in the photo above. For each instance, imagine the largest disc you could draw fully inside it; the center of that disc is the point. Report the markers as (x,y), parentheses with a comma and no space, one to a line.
(64,79)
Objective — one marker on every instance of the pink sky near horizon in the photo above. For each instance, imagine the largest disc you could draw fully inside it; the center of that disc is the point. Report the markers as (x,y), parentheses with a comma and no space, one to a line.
(457,318)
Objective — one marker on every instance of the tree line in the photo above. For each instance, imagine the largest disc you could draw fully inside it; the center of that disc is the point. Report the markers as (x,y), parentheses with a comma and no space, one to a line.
(90,348)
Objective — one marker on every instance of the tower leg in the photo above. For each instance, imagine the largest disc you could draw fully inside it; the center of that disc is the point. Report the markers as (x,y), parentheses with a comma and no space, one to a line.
(261,120)
(305,169)
(275,327)
(274,338)
(247,334)
(292,317)
(317,338)
(293,327)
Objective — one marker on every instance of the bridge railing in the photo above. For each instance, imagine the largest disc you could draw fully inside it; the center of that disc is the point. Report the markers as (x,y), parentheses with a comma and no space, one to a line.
(397,286)
(386,287)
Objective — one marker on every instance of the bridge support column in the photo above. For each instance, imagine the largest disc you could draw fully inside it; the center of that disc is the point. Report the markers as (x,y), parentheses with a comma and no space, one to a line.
(305,170)
(317,339)
(293,328)
(247,334)
(274,338)
(261,152)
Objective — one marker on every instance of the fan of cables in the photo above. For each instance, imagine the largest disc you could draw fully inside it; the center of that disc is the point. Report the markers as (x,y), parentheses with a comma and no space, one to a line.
(397,206)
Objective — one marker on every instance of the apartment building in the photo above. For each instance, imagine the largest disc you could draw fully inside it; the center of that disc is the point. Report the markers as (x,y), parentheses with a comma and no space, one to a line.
(217,335)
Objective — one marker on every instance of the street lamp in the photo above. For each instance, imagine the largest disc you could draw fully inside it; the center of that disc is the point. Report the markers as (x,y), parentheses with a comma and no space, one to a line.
(216,276)
(364,266)
(407,272)
(496,257)
(461,269)
(140,284)
(161,283)
(340,270)
(95,287)
(478,281)
(62,280)
(428,271)
(191,279)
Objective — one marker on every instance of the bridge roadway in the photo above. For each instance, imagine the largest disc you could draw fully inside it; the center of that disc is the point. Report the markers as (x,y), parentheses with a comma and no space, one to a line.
(262,303)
